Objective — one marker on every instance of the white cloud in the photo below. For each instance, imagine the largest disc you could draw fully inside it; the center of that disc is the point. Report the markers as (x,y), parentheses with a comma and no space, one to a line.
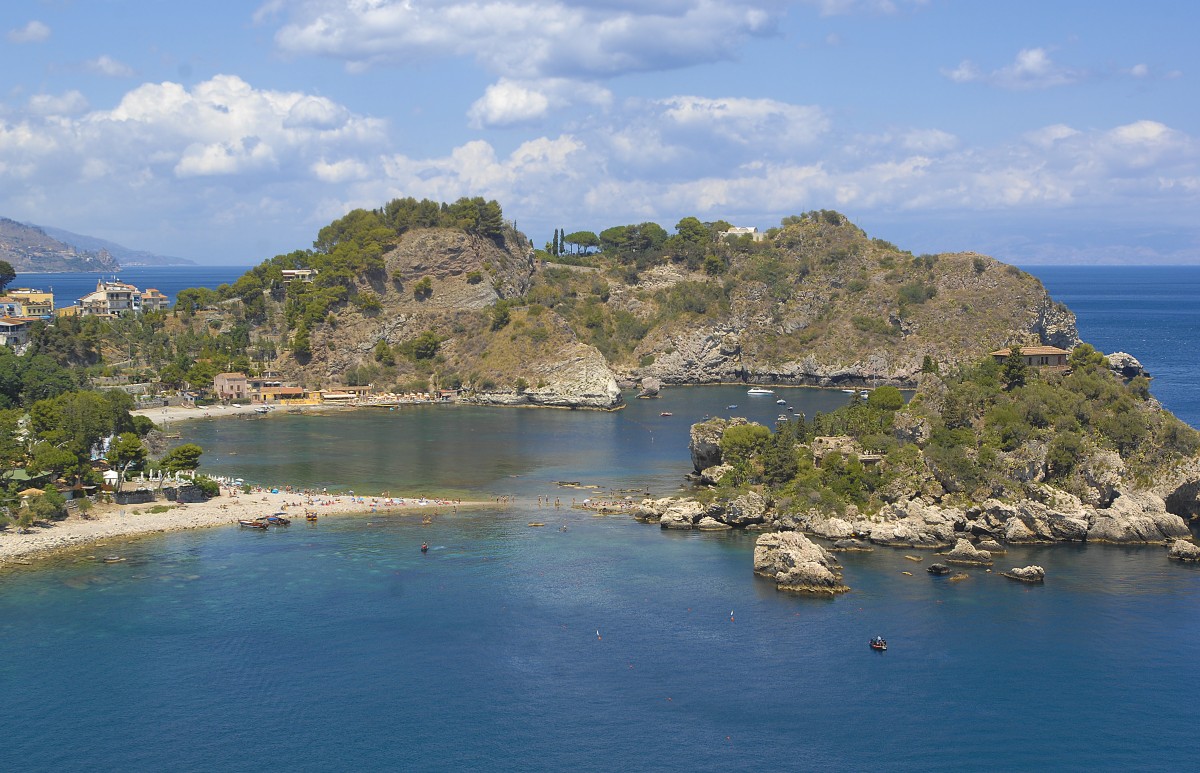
(109,67)
(70,103)
(843,7)
(523,40)
(507,103)
(33,32)
(748,121)
(1031,69)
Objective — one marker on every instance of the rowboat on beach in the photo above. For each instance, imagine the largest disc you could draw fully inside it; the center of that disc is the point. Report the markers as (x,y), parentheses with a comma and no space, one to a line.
(248,524)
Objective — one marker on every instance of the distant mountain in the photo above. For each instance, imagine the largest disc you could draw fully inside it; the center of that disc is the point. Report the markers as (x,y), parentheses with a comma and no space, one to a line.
(123,255)
(29,248)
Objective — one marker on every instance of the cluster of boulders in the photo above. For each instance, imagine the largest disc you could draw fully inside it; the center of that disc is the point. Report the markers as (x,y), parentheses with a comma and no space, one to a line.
(1182,550)
(748,511)
(1133,517)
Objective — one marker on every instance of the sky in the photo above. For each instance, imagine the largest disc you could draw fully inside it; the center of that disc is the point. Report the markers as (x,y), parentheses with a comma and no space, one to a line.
(229,131)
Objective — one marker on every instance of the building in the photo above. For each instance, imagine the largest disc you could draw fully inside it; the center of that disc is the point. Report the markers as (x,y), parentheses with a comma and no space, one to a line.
(231,386)
(1037,356)
(153,300)
(34,302)
(303,274)
(111,299)
(14,331)
(749,230)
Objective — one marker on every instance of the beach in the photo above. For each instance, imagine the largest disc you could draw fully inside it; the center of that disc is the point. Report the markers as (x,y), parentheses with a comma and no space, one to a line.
(112,522)
(163,416)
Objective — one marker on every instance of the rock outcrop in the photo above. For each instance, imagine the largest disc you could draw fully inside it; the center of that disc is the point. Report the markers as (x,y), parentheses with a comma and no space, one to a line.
(1136,517)
(705,442)
(796,563)
(965,554)
(1182,550)
(1031,573)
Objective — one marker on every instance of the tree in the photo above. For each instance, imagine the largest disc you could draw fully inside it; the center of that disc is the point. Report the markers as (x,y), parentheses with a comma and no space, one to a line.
(1014,371)
(184,457)
(423,288)
(7,274)
(582,241)
(887,398)
(125,452)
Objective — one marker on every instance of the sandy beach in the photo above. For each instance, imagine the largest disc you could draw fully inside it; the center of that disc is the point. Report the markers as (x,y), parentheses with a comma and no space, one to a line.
(165,416)
(107,522)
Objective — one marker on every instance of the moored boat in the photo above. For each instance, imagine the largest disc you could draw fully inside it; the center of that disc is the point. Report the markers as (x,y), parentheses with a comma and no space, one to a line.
(760,391)
(878,644)
(666,413)
(252,524)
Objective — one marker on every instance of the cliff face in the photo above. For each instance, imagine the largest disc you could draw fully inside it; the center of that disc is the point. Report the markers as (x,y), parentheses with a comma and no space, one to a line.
(533,359)
(870,317)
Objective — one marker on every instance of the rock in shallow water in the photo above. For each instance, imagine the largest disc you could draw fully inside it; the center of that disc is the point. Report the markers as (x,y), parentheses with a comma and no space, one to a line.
(796,563)
(1182,550)
(1031,573)
(966,554)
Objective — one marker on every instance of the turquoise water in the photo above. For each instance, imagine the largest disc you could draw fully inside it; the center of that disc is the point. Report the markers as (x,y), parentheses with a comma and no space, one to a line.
(340,646)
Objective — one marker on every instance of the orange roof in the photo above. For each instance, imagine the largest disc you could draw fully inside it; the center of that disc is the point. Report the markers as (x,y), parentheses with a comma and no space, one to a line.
(1031,351)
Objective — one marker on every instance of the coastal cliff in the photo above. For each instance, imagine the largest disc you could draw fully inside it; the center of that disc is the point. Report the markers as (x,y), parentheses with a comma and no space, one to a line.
(421,296)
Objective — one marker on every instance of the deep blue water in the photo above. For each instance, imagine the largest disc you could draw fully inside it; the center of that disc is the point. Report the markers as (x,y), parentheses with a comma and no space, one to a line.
(69,288)
(1151,312)
(340,646)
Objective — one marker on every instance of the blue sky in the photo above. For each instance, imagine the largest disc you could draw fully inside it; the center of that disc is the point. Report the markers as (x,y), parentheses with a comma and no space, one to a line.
(227,132)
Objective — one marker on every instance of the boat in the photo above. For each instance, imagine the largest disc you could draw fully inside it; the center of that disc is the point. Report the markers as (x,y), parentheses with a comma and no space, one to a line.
(278,519)
(865,393)
(424,547)
(731,407)
(252,524)
(760,391)
(849,391)
(783,417)
(310,516)
(112,559)
(262,409)
(781,401)
(666,413)
(878,644)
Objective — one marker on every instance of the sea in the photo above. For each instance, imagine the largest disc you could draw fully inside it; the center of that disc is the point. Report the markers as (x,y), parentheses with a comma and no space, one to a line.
(593,643)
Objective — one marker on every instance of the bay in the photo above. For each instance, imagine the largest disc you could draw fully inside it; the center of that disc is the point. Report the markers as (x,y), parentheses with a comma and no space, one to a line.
(609,645)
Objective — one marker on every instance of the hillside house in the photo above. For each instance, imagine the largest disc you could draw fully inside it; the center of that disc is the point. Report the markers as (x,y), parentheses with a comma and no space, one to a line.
(749,230)
(14,332)
(303,274)
(1037,356)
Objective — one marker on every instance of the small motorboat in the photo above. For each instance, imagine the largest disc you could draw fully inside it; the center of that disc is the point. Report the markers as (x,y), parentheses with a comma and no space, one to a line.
(731,407)
(666,413)
(878,644)
(278,519)
(310,516)
(781,401)
(252,524)
(760,391)
(112,559)
(424,547)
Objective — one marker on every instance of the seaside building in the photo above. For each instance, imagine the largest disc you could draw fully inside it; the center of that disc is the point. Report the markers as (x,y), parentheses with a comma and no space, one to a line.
(27,302)
(112,298)
(231,386)
(1037,356)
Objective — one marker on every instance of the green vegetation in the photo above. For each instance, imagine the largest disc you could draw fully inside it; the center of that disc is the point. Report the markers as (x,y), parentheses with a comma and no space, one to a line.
(981,422)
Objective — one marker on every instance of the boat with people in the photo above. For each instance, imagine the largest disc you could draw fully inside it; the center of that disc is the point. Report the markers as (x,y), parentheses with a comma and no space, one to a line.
(878,644)
(760,391)
(310,516)
(424,547)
